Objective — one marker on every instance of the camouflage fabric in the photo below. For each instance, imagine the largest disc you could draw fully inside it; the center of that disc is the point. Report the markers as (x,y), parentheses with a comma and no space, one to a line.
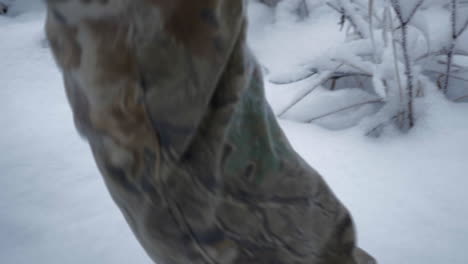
(172,104)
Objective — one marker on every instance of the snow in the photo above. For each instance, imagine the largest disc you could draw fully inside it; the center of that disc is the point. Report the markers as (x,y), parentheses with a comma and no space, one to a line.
(405,191)
(54,207)
(286,47)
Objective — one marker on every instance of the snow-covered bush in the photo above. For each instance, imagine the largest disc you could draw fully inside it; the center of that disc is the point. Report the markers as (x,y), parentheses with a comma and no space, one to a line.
(296,10)
(395,51)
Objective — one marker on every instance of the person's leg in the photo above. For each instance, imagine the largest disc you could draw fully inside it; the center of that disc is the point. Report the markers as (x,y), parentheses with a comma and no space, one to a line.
(172,104)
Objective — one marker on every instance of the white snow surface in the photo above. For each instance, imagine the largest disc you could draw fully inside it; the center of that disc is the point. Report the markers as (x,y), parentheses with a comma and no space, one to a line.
(407,192)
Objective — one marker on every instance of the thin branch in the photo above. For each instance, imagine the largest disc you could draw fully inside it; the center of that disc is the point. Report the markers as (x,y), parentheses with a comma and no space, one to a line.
(451,75)
(455,67)
(376,101)
(363,7)
(461,98)
(407,61)
(460,52)
(453,17)
(346,16)
(430,54)
(453,43)
(352,65)
(456,52)
(416,7)
(299,98)
(376,131)
(371,30)
(397,7)
(334,75)
(338,75)
(342,13)
(463,28)
(395,55)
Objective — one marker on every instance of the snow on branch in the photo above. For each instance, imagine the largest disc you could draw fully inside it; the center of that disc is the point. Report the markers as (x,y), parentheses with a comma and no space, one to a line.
(395,54)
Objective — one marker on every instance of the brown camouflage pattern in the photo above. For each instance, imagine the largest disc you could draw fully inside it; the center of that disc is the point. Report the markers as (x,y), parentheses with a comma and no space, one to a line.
(172,104)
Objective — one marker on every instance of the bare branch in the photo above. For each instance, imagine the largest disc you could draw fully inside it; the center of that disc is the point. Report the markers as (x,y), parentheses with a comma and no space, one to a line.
(307,76)
(397,7)
(453,21)
(451,75)
(395,55)
(371,30)
(376,101)
(352,65)
(415,9)
(406,59)
(453,17)
(461,98)
(299,98)
(463,28)
(460,52)
(456,52)
(376,131)
(346,16)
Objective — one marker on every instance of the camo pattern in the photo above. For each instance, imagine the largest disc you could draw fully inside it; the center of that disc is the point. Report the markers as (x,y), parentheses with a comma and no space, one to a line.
(172,104)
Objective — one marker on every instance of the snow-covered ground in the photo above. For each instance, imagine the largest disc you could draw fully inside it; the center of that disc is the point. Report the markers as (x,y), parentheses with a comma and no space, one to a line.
(54,207)
(406,192)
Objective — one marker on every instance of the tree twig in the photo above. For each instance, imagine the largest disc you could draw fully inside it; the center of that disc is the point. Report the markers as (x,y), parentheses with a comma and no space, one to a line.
(299,98)
(458,99)
(307,76)
(463,28)
(406,57)
(453,21)
(344,11)
(376,101)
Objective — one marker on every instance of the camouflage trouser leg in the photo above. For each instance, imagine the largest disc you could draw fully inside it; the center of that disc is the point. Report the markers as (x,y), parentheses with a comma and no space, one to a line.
(172,105)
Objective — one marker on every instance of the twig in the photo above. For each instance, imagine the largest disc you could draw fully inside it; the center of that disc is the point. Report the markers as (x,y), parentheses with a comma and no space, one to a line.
(334,75)
(371,31)
(458,99)
(451,75)
(463,28)
(441,52)
(363,7)
(453,21)
(406,57)
(299,98)
(376,101)
(352,65)
(375,132)
(416,7)
(307,76)
(346,16)
(395,54)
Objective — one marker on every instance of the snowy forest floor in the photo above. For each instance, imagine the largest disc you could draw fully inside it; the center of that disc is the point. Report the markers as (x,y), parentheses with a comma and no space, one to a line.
(407,192)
